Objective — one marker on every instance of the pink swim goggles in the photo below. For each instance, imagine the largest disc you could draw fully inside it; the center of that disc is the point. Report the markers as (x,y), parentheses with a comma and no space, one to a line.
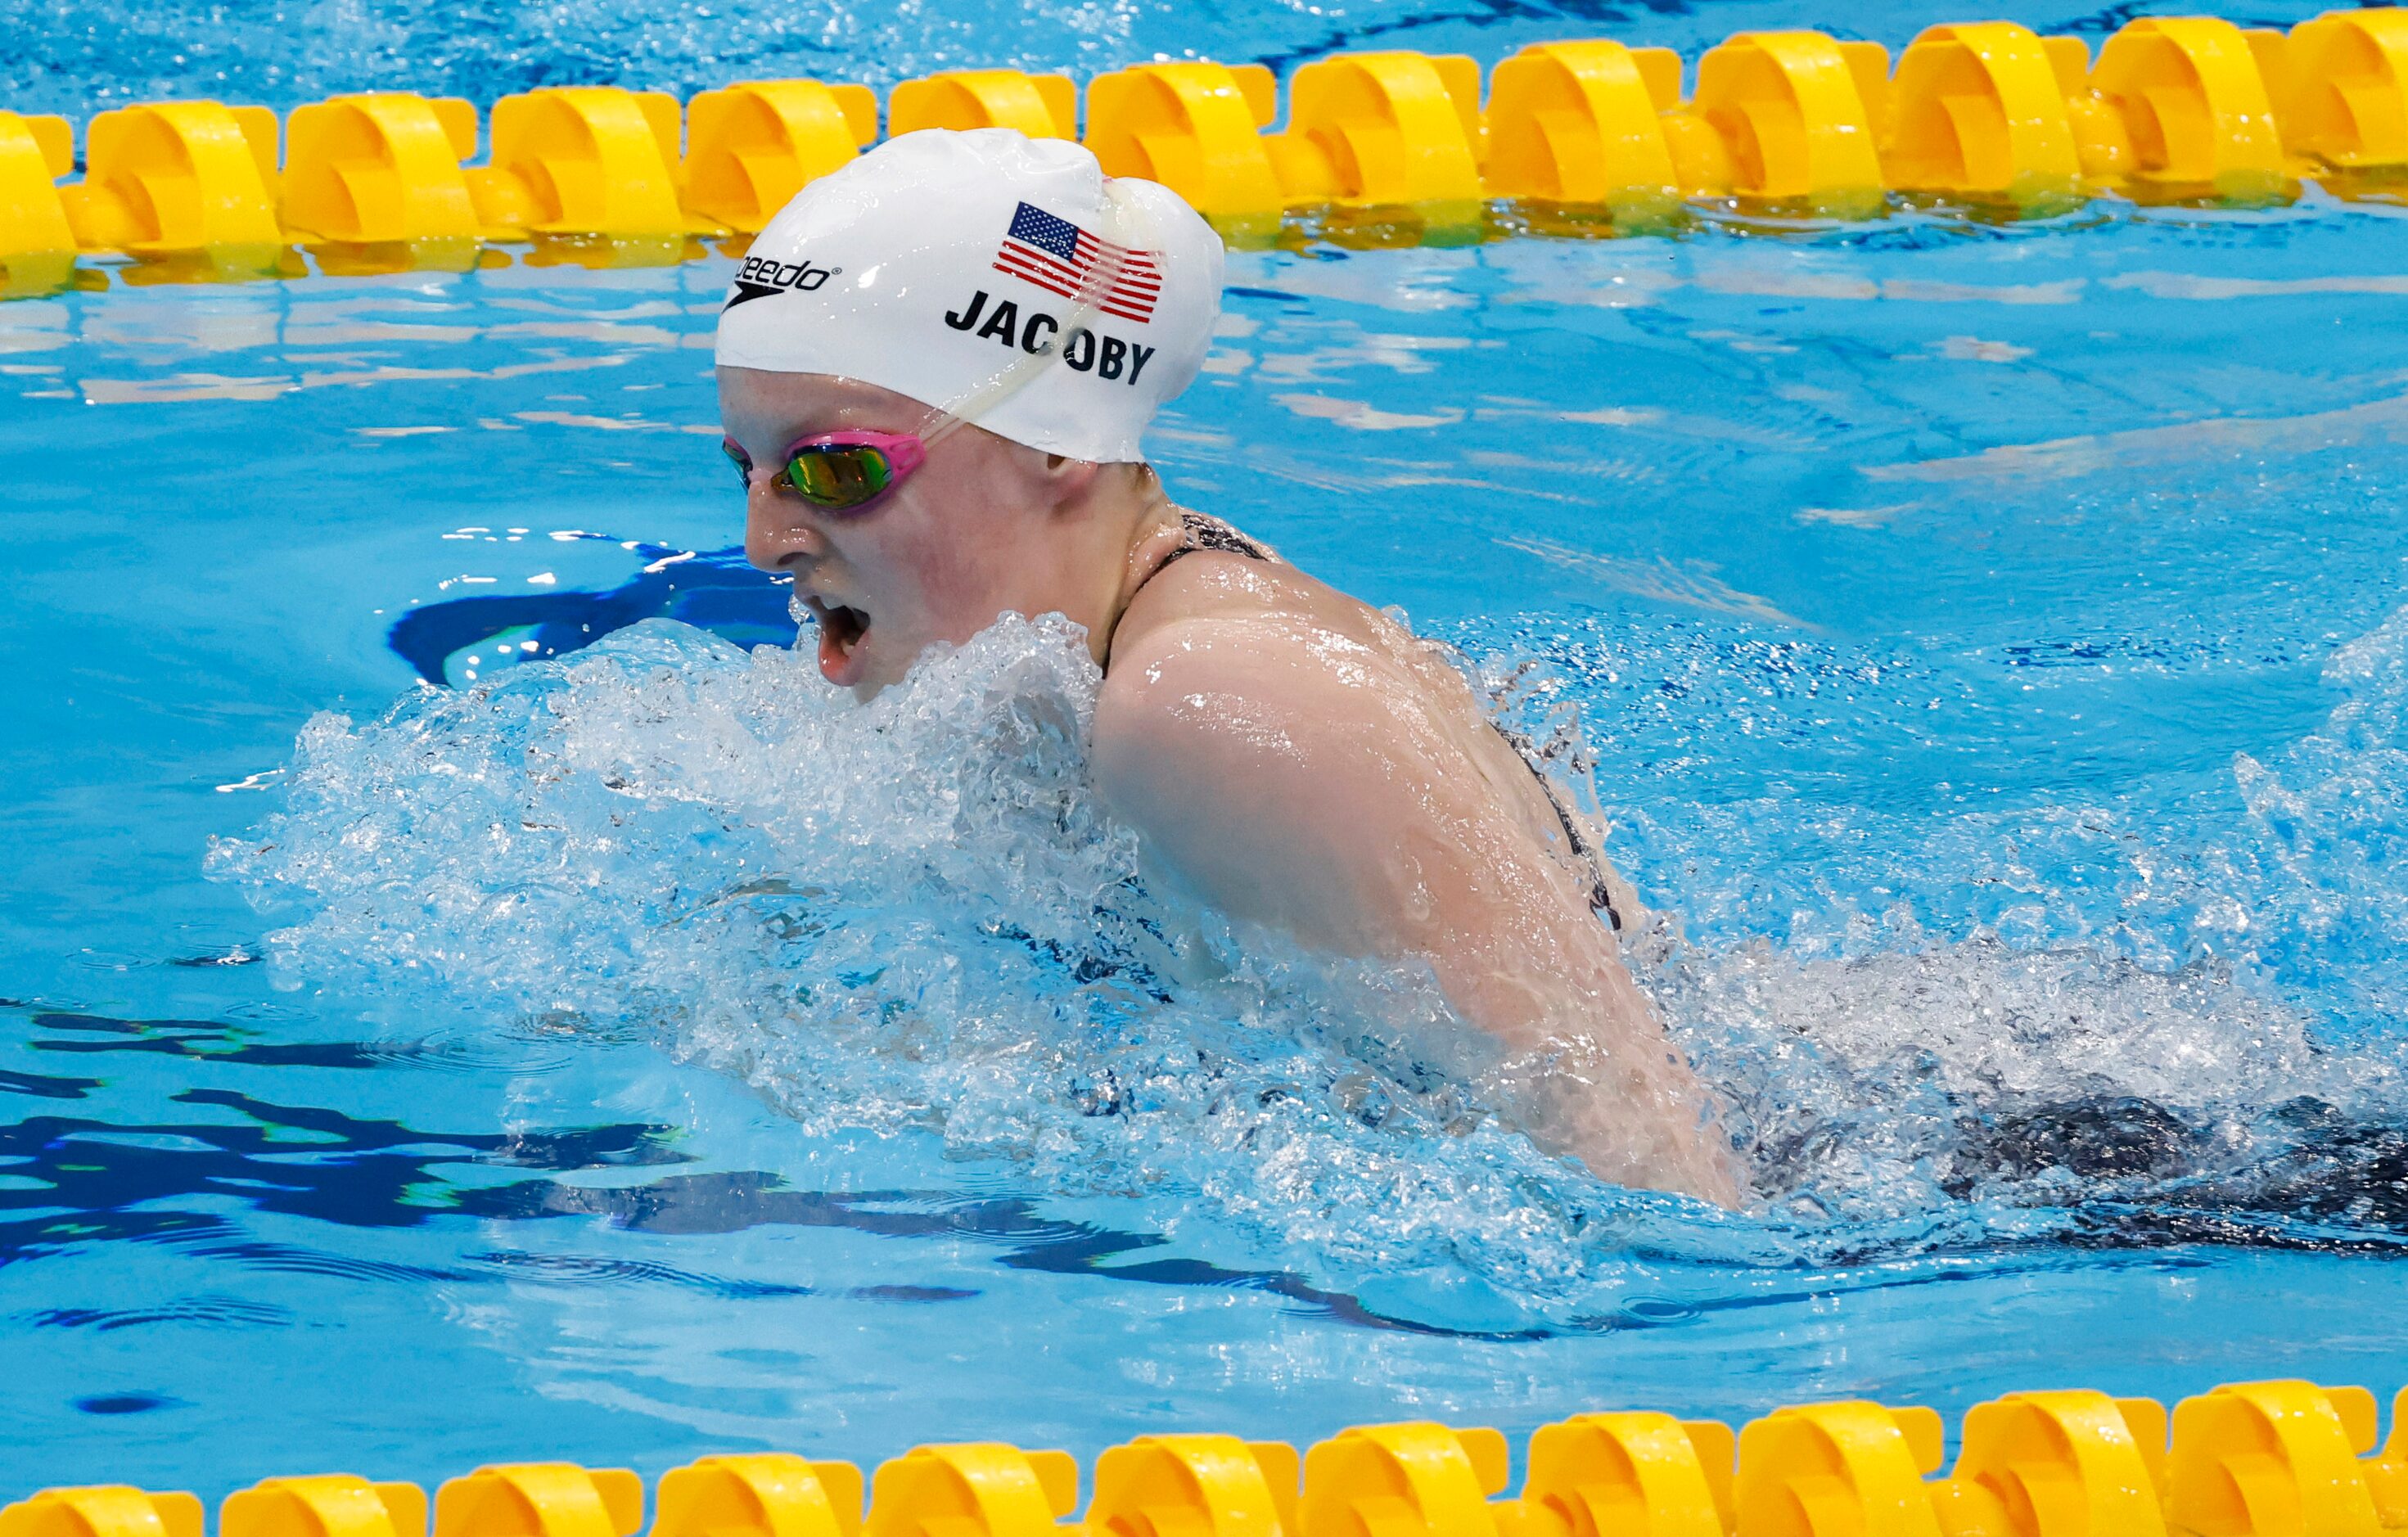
(840,471)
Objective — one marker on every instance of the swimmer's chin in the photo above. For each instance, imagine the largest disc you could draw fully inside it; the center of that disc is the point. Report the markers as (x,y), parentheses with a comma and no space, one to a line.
(844,645)
(846,668)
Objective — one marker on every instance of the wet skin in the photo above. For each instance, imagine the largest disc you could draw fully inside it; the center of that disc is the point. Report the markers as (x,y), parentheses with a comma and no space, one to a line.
(1289,755)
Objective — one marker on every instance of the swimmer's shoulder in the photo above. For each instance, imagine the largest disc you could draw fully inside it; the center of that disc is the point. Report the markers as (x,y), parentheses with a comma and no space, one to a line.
(1211,587)
(1220,653)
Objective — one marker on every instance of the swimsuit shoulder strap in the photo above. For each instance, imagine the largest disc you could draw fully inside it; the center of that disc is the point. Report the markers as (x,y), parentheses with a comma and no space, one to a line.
(1601,890)
(1202,531)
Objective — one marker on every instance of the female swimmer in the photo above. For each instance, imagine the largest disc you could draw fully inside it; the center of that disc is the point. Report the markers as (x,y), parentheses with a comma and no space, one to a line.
(934,369)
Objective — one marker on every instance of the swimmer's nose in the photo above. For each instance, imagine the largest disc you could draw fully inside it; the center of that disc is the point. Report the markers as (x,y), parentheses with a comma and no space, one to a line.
(777,534)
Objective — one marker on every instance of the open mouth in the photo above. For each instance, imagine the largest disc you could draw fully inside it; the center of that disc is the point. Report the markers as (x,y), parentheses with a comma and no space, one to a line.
(842,629)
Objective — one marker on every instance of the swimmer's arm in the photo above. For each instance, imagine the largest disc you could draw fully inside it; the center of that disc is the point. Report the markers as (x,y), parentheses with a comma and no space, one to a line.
(1300,788)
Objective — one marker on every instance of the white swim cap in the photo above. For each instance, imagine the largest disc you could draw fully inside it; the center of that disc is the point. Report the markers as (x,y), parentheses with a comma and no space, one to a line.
(1002,278)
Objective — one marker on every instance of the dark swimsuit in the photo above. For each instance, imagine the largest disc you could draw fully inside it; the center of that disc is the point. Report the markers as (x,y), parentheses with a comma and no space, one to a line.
(1198,532)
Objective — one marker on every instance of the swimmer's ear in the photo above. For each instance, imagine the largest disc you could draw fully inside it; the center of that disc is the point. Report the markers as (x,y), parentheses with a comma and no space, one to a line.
(1069,478)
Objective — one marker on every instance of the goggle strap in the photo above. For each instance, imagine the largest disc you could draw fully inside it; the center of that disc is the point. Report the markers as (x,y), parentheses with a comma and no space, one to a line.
(904,455)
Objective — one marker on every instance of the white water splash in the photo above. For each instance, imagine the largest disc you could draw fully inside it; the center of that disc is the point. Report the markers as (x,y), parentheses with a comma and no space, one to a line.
(902,915)
(911,915)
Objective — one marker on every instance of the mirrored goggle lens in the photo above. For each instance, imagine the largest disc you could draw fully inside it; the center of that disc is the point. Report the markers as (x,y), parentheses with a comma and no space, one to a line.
(839,475)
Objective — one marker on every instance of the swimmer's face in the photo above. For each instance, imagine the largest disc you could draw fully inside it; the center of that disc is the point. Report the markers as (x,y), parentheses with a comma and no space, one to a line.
(935,560)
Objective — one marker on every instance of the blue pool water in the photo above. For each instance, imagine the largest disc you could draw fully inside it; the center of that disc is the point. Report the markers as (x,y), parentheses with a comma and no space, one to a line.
(1990,644)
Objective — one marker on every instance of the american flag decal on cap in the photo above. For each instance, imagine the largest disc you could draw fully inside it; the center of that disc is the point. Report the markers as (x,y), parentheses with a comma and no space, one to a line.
(1061,258)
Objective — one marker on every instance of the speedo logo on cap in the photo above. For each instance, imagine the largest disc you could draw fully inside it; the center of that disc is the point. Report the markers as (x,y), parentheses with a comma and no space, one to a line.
(762,276)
